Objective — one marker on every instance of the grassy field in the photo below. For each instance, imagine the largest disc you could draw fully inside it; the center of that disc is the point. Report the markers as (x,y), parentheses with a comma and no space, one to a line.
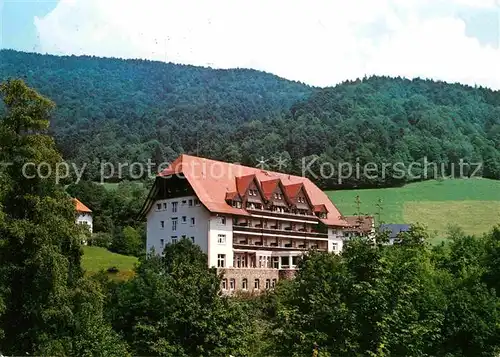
(96,259)
(472,204)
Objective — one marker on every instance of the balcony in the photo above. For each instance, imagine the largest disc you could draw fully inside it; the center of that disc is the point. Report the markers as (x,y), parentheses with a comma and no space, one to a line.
(300,233)
(290,215)
(265,244)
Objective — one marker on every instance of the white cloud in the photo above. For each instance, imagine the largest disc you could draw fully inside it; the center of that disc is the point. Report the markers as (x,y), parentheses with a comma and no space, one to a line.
(320,42)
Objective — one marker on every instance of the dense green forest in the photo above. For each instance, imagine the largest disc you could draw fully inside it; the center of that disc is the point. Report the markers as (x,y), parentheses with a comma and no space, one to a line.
(126,111)
(373,299)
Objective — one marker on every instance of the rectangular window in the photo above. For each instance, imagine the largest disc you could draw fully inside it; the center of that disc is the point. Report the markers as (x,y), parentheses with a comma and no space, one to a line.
(196,202)
(221,239)
(192,239)
(295,260)
(165,205)
(268,284)
(158,205)
(276,262)
(232,284)
(221,260)
(192,221)
(223,220)
(244,284)
(256,284)
(162,243)
(273,283)
(190,203)
(184,219)
(334,246)
(174,239)
(174,206)
(162,224)
(224,284)
(174,224)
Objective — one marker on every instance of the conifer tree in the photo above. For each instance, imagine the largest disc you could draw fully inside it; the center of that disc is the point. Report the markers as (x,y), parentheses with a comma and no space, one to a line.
(46,305)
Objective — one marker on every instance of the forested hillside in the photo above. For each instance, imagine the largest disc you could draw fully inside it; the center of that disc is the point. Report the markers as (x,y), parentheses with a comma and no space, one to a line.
(391,120)
(111,109)
(126,111)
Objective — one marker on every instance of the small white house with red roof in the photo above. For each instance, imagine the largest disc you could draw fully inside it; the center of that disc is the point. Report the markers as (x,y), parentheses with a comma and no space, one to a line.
(84,214)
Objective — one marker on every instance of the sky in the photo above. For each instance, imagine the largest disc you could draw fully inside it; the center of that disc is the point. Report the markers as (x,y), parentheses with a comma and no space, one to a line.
(318,42)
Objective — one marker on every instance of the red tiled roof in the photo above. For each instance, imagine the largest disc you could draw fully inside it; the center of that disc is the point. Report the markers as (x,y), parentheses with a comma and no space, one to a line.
(320,208)
(211,181)
(268,186)
(243,182)
(80,207)
(360,223)
(231,195)
(293,189)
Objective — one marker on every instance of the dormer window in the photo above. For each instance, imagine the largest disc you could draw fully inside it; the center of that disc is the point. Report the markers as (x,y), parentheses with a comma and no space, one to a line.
(236,204)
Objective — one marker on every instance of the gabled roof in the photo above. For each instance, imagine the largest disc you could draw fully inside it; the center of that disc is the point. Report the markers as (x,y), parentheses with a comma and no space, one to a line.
(292,190)
(80,207)
(211,180)
(242,183)
(362,224)
(268,186)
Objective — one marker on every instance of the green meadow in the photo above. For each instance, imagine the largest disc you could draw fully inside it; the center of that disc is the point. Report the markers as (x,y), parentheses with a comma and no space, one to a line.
(96,259)
(472,204)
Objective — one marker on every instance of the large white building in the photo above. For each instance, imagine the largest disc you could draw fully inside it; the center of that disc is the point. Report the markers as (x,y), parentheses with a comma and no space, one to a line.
(253,223)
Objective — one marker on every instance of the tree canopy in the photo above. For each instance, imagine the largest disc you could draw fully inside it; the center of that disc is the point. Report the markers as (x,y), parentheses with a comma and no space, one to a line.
(47,306)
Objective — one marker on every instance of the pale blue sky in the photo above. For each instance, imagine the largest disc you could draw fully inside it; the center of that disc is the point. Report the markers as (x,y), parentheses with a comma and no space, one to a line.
(17,19)
(321,42)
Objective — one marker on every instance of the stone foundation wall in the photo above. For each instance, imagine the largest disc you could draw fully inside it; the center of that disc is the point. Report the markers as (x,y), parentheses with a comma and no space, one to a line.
(251,274)
(287,273)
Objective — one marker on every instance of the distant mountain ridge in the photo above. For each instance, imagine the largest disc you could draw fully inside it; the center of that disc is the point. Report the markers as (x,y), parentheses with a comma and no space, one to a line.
(391,120)
(134,110)
(135,101)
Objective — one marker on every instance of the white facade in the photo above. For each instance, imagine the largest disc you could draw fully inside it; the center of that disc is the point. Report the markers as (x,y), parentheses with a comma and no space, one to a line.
(172,219)
(335,240)
(220,239)
(85,218)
